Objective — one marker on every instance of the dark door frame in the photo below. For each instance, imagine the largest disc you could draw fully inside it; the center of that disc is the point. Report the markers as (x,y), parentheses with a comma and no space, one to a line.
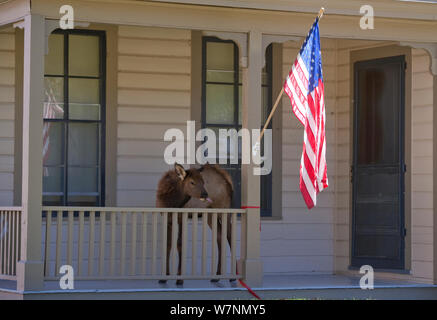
(401,59)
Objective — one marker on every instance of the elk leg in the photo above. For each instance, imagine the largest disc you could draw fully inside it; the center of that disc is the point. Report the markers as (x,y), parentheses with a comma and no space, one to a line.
(229,236)
(169,229)
(219,245)
(179,246)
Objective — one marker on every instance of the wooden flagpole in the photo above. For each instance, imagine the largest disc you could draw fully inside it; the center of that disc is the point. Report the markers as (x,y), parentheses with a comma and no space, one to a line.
(257,145)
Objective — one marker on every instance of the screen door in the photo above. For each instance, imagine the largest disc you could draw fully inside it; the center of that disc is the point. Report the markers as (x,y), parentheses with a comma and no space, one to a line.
(378,164)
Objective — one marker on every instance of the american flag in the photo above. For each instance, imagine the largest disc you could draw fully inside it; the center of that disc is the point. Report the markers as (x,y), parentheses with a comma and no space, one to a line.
(304,86)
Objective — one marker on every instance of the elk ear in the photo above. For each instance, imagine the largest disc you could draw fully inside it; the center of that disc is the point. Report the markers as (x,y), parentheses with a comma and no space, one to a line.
(180,171)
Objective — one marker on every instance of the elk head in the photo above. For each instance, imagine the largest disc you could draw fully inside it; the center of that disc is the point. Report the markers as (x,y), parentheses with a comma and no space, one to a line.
(192,183)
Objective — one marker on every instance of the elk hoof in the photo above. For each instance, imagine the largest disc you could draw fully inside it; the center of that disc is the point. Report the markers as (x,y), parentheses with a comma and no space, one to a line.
(179,282)
(162,281)
(215,280)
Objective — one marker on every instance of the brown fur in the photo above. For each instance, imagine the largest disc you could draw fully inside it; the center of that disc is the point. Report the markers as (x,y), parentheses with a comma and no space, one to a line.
(175,188)
(218,184)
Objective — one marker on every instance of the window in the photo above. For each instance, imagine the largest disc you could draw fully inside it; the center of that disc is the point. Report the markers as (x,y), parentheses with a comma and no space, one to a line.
(266,107)
(221,104)
(221,98)
(74,119)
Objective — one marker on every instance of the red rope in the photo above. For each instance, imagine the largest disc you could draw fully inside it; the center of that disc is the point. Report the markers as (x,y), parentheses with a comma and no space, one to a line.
(241,281)
(247,287)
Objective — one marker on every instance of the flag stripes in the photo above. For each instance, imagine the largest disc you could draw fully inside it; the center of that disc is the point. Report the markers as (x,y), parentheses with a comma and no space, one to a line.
(304,86)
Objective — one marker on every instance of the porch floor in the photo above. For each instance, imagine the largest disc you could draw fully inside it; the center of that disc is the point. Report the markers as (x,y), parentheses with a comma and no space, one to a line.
(274,287)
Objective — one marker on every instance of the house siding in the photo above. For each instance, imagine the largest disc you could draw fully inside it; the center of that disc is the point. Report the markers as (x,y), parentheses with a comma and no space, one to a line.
(154,84)
(7,110)
(422,167)
(302,242)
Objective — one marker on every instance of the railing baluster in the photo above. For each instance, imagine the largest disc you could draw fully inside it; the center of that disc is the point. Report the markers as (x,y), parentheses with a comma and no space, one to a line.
(123,243)
(9,246)
(234,244)
(13,257)
(194,222)
(112,257)
(133,254)
(204,243)
(80,244)
(70,238)
(144,244)
(48,239)
(174,240)
(179,232)
(19,236)
(154,241)
(243,244)
(58,240)
(92,219)
(213,243)
(223,243)
(184,243)
(2,217)
(164,244)
(102,243)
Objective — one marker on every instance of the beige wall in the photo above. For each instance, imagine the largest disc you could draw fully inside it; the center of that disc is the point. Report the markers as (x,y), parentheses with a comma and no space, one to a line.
(7,110)
(153,95)
(302,242)
(422,166)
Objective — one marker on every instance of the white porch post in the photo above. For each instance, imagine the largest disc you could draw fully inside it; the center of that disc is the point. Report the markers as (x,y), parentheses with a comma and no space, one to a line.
(251,264)
(30,267)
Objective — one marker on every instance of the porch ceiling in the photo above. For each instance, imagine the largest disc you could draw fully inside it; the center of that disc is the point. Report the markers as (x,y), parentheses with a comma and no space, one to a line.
(383,8)
(200,17)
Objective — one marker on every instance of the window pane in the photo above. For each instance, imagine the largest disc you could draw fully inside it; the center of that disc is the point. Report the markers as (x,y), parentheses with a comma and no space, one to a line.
(84,99)
(83,55)
(83,148)
(53,142)
(220,62)
(219,104)
(54,60)
(53,98)
(378,123)
(82,181)
(53,181)
(220,76)
(220,56)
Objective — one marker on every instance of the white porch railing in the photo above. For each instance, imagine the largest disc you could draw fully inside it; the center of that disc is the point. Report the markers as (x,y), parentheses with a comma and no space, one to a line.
(10,230)
(131,243)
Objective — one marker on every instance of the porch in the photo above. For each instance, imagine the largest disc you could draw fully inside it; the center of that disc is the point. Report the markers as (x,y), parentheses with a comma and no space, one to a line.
(274,287)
